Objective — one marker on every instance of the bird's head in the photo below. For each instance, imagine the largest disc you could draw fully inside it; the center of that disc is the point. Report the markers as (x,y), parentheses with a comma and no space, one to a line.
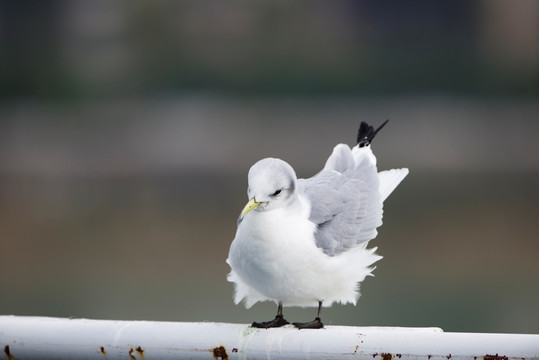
(272,185)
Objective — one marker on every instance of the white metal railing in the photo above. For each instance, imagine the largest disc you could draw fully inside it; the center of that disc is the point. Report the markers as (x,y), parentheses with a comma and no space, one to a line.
(57,338)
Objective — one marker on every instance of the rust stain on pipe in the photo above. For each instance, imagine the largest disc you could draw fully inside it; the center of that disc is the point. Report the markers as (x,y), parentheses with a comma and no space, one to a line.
(131,354)
(220,353)
(8,353)
(495,357)
(140,351)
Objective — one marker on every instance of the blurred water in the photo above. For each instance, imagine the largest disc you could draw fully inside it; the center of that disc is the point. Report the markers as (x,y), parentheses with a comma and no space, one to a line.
(132,218)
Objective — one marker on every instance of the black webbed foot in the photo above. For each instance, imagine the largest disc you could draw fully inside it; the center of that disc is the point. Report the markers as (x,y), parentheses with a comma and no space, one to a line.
(315,324)
(277,322)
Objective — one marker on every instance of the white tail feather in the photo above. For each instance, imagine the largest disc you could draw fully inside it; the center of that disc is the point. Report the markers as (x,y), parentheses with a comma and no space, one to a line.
(389,179)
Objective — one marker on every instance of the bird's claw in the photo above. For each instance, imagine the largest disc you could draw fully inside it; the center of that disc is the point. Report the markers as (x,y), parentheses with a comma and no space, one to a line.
(277,322)
(315,324)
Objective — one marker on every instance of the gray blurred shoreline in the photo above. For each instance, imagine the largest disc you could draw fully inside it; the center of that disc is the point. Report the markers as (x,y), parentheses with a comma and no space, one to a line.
(228,134)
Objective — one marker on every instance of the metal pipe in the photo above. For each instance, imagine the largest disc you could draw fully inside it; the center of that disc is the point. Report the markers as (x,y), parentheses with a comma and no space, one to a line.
(57,338)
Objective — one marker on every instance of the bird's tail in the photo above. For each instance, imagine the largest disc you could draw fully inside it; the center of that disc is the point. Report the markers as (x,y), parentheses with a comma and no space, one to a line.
(366,133)
(389,179)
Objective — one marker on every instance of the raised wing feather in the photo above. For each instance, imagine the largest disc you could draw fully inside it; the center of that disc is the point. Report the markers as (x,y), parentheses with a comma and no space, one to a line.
(345,200)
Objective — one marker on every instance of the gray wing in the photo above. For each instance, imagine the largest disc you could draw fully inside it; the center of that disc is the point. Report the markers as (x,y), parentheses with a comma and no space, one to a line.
(346,204)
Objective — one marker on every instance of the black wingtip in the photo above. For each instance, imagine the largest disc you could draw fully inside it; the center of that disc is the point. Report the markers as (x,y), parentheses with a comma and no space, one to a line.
(366,133)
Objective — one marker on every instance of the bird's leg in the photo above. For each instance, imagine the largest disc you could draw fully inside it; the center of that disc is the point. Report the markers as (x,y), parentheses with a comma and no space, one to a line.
(315,324)
(277,322)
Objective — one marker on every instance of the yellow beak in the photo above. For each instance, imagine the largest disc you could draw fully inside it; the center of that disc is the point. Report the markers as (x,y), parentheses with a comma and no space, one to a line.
(252,204)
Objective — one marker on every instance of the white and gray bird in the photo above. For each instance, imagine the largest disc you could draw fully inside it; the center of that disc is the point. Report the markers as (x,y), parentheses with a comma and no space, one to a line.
(303,242)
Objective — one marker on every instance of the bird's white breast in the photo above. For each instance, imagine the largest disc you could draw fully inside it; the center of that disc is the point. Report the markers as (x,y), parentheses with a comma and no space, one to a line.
(270,247)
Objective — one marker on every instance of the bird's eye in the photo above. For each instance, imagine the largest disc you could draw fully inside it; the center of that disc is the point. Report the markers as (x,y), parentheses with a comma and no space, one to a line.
(276,193)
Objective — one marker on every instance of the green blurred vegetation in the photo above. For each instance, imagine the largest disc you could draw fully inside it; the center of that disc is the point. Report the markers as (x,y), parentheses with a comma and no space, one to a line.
(74,50)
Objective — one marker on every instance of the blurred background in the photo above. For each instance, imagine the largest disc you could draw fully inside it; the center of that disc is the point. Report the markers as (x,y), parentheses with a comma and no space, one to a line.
(127,129)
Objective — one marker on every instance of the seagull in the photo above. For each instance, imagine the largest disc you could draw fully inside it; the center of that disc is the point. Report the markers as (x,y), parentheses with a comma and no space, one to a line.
(303,242)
